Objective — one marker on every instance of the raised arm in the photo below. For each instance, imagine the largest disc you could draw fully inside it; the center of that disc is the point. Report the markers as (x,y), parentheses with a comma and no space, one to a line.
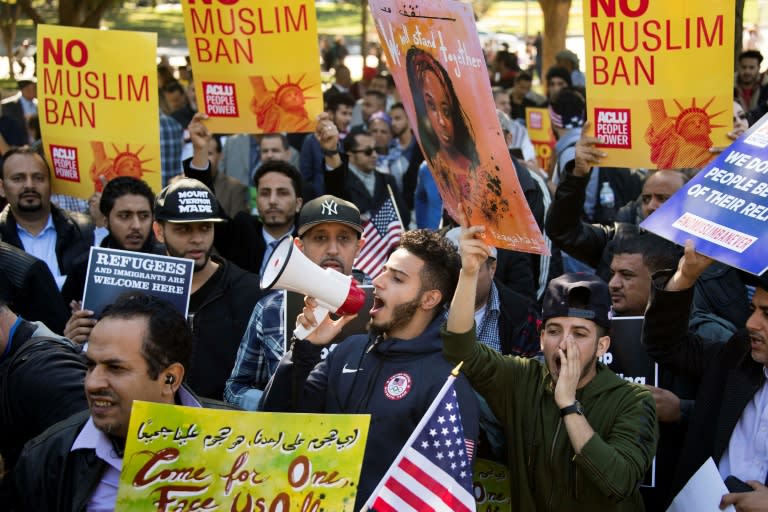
(563,224)
(474,252)
(665,330)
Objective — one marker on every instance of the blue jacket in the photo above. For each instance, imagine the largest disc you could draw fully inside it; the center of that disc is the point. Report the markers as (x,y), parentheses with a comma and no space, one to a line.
(393,380)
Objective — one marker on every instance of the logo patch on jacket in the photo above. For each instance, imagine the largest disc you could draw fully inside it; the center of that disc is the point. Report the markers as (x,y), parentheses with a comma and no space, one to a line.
(397,386)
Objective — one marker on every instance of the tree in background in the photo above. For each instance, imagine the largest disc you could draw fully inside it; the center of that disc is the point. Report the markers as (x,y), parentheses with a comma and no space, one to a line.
(739,30)
(72,13)
(556,14)
(9,15)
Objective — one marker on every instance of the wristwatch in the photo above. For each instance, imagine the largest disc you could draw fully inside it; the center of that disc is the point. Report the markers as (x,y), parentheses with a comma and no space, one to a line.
(571,409)
(330,152)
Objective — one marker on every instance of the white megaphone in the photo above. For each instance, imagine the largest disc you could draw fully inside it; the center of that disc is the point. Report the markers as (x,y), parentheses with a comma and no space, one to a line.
(291,270)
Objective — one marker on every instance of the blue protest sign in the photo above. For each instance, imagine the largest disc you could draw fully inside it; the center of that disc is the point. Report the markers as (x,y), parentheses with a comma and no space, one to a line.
(724,208)
(112,272)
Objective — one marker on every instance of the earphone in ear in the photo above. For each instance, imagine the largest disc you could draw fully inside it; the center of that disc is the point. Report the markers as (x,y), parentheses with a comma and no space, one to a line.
(169,379)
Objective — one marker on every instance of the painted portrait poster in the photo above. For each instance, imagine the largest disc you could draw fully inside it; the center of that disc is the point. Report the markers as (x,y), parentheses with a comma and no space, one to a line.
(434,53)
(256,64)
(648,100)
(97,101)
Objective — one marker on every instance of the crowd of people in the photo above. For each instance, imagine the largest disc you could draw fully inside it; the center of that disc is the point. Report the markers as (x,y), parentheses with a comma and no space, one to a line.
(531,330)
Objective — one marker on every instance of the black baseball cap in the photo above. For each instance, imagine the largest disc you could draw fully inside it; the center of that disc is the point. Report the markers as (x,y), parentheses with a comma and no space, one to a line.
(578,295)
(329,208)
(187,200)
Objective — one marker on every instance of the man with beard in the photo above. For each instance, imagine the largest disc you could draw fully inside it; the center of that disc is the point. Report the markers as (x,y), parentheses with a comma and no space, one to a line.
(749,88)
(138,350)
(222,294)
(128,206)
(405,168)
(579,437)
(392,373)
(246,241)
(329,235)
(31,222)
(354,176)
(727,423)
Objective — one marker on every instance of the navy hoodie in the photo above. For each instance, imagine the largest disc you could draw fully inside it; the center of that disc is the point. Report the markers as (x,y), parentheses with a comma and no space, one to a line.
(393,380)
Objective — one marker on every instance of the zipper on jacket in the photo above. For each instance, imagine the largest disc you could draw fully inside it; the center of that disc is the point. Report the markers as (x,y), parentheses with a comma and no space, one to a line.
(191,322)
(551,461)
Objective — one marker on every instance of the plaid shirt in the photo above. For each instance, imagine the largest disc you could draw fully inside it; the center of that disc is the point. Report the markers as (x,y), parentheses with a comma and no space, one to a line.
(71,203)
(261,349)
(171,137)
(259,354)
(526,344)
(488,329)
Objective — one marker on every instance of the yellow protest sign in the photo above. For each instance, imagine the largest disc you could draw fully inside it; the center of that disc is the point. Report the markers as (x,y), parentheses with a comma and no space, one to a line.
(434,53)
(491,485)
(650,101)
(256,64)
(540,131)
(97,97)
(188,458)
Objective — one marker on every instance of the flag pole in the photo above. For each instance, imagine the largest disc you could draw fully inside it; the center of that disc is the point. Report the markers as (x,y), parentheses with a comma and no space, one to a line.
(394,205)
(416,431)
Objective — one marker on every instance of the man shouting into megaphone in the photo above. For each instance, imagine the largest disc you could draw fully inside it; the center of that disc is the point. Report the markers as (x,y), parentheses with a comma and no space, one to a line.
(330,235)
(392,373)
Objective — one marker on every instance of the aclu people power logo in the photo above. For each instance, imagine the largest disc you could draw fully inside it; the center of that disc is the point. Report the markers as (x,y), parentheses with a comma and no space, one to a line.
(613,127)
(220,99)
(65,163)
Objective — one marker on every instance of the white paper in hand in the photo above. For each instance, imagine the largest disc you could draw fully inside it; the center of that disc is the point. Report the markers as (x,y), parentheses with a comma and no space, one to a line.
(703,491)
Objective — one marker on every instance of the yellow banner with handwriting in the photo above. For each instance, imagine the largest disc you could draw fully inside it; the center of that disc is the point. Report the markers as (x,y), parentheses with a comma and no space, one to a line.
(257,67)
(491,483)
(97,103)
(187,458)
(659,80)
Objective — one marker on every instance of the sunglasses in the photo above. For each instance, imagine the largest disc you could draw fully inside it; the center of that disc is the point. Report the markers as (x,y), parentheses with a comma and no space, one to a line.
(366,151)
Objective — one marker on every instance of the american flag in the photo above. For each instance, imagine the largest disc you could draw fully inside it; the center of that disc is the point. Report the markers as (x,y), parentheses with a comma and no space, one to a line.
(382,233)
(434,469)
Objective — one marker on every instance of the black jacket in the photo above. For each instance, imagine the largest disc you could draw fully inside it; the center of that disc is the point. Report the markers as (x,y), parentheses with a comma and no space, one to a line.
(27,286)
(586,242)
(340,182)
(728,376)
(74,237)
(41,383)
(218,325)
(719,291)
(241,239)
(518,322)
(51,478)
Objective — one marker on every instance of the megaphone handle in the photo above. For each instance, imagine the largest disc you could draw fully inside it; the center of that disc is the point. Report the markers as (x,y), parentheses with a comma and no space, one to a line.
(301,332)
